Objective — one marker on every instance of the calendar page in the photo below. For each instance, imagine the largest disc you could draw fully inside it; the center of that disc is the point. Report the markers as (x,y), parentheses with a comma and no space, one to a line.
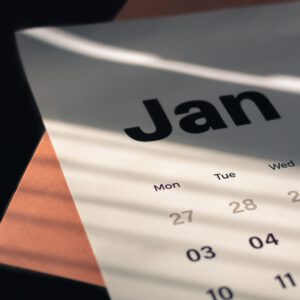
(179,141)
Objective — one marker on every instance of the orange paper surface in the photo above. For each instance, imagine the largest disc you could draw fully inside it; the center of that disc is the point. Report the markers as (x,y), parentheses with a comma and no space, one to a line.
(42,230)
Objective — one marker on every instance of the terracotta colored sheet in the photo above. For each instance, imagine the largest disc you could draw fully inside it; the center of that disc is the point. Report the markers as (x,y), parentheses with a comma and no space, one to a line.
(154,8)
(42,230)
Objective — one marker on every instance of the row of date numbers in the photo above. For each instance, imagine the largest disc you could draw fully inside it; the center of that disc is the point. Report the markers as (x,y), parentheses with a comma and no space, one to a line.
(186,216)
(207,252)
(226,293)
